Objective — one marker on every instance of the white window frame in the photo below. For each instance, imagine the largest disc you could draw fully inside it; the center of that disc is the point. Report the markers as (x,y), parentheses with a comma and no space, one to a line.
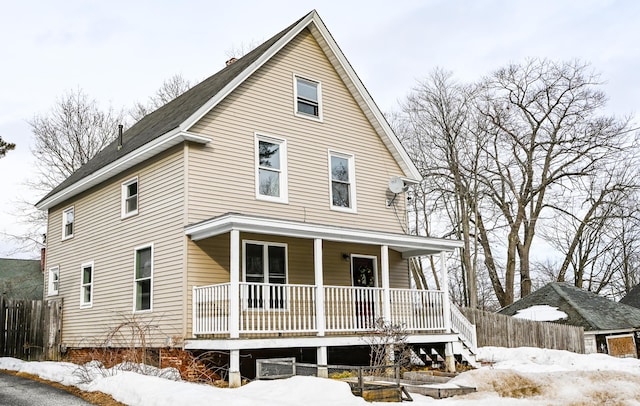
(265,271)
(65,214)
(52,289)
(84,286)
(124,189)
(136,280)
(283,173)
(352,181)
(295,97)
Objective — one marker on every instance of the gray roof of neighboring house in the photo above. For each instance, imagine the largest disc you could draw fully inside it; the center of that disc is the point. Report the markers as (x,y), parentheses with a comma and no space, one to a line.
(169,116)
(21,278)
(633,297)
(585,309)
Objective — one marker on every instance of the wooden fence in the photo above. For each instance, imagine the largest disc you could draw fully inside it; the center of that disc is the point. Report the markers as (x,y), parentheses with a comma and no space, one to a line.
(30,329)
(498,330)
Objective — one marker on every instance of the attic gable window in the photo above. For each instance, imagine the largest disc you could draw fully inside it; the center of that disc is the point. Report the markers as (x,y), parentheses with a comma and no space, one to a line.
(130,198)
(68,219)
(308,98)
(271,168)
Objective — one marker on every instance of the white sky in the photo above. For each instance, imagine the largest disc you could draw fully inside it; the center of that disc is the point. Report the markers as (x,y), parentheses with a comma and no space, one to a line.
(121,51)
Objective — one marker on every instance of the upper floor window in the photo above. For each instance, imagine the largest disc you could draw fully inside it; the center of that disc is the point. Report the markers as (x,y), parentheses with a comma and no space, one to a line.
(86,285)
(143,278)
(342,176)
(130,197)
(67,223)
(54,281)
(271,168)
(308,98)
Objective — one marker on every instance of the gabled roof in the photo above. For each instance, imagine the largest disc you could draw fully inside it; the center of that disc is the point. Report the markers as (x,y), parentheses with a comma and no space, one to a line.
(633,297)
(585,309)
(170,124)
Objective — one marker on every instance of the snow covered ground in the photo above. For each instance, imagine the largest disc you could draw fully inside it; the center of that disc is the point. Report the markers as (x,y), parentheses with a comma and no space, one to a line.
(518,376)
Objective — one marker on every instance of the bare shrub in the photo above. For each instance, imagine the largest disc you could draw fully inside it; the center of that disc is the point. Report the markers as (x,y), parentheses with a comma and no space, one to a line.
(388,344)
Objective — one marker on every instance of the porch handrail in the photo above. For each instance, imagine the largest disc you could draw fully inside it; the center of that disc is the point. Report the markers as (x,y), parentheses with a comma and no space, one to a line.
(210,309)
(418,310)
(461,325)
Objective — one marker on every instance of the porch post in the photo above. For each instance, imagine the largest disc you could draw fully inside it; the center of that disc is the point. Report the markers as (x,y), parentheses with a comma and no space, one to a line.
(317,269)
(234,286)
(444,284)
(386,294)
(235,379)
(321,361)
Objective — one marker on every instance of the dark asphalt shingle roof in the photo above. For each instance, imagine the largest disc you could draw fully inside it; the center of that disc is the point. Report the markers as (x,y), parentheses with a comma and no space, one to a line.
(171,115)
(585,309)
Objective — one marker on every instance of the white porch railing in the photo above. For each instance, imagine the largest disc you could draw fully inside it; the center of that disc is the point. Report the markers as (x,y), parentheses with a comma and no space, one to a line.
(465,329)
(275,308)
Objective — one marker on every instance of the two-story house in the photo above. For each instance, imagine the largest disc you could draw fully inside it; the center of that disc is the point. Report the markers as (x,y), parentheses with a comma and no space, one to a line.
(252,212)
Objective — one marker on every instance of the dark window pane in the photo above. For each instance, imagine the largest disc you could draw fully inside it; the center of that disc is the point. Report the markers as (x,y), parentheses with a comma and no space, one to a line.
(277,260)
(86,275)
(143,294)
(254,263)
(132,189)
(340,192)
(269,154)
(87,294)
(132,204)
(269,183)
(143,263)
(307,108)
(339,169)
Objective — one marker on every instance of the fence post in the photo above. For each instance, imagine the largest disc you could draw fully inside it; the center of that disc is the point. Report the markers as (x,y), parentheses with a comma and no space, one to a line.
(3,324)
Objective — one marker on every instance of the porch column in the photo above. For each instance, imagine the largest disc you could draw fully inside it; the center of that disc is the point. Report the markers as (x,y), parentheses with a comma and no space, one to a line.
(386,294)
(234,286)
(321,361)
(444,284)
(317,269)
(235,379)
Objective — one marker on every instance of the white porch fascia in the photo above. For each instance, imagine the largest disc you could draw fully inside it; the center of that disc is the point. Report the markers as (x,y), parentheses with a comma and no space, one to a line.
(408,245)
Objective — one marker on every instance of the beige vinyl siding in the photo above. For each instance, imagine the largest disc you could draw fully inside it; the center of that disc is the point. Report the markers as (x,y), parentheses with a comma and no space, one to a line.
(103,237)
(222,174)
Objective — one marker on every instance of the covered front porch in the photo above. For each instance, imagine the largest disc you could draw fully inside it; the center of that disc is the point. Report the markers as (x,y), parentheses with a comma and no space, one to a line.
(310,297)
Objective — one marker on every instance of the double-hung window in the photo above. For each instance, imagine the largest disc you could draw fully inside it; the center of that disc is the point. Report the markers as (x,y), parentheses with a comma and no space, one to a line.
(342,177)
(67,223)
(271,168)
(130,198)
(308,98)
(86,285)
(143,286)
(54,281)
(265,267)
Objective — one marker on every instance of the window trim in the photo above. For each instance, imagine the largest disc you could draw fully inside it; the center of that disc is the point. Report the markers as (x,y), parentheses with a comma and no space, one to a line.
(298,113)
(135,280)
(351,158)
(65,212)
(283,172)
(50,290)
(265,271)
(123,198)
(89,304)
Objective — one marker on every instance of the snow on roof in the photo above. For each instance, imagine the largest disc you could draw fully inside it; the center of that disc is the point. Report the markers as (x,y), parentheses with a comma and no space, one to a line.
(541,313)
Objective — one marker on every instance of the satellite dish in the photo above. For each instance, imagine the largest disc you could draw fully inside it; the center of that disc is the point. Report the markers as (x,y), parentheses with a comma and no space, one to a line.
(396,185)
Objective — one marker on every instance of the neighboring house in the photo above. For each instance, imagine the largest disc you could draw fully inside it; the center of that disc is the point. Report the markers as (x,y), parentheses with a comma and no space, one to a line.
(21,278)
(633,297)
(252,212)
(609,327)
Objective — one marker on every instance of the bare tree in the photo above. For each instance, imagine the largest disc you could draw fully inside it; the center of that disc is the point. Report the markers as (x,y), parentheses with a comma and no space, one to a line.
(518,151)
(170,89)
(65,138)
(5,147)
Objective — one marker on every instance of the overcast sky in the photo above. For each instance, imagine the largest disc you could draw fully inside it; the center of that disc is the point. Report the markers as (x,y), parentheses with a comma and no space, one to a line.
(119,52)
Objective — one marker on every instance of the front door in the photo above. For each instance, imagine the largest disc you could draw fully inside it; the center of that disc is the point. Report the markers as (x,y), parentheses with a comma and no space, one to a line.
(363,273)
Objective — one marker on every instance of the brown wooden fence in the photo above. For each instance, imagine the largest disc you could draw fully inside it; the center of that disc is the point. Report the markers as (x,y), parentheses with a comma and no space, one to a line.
(498,330)
(30,329)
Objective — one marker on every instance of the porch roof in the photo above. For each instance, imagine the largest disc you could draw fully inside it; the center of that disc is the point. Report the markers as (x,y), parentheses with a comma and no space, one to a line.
(408,245)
